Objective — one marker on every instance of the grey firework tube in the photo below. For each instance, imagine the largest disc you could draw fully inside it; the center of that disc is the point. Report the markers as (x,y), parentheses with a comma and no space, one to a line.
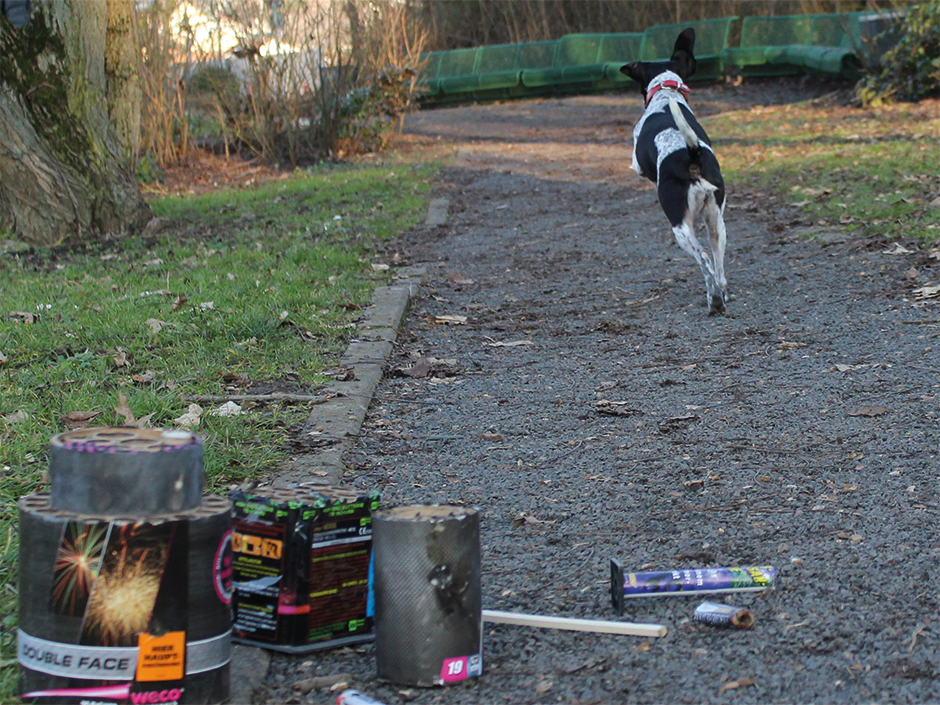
(721,615)
(123,471)
(428,621)
(694,581)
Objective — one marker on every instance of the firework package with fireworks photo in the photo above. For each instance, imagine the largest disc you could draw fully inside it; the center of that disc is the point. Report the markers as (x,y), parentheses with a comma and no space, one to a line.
(696,581)
(124,610)
(301,567)
(125,573)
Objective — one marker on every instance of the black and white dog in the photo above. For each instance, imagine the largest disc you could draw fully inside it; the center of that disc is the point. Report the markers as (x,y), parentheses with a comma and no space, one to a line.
(672,150)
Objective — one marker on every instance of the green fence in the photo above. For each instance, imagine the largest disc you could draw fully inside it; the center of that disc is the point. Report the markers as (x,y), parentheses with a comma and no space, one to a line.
(769,46)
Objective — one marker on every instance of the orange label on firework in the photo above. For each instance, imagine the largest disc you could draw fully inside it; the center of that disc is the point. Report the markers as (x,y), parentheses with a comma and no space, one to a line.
(161,658)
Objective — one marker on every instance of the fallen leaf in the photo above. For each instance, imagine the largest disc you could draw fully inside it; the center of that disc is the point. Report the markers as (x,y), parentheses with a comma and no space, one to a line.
(511,344)
(122,409)
(3,358)
(739,683)
(605,407)
(380,267)
(120,359)
(207,306)
(543,686)
(869,411)
(492,437)
(455,278)
(421,368)
(525,518)
(229,408)
(144,378)
(16,417)
(677,422)
(178,302)
(645,646)
(79,419)
(897,249)
(22,316)
(927,292)
(450,320)
(191,418)
(156,325)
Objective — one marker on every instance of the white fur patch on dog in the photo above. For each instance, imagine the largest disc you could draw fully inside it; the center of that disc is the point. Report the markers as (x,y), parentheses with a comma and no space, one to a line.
(667,141)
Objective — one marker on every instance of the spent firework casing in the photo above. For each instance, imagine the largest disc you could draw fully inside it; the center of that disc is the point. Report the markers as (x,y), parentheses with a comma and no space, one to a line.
(625,585)
(724,615)
(354,697)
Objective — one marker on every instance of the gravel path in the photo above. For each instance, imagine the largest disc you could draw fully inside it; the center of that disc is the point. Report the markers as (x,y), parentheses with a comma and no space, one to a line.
(798,430)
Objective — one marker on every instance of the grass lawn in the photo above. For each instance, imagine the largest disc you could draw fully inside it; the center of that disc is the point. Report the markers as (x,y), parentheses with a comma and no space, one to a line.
(873,171)
(250,288)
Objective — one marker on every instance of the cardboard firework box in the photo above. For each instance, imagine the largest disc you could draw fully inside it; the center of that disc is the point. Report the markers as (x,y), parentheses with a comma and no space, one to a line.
(302,567)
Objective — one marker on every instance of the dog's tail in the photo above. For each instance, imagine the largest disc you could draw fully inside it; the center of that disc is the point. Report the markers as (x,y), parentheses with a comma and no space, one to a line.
(688,134)
(691,139)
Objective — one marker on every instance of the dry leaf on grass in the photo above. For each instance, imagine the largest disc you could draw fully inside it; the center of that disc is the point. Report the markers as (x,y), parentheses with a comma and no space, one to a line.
(191,418)
(229,408)
(156,325)
(22,316)
(122,409)
(80,419)
(120,359)
(3,358)
(16,417)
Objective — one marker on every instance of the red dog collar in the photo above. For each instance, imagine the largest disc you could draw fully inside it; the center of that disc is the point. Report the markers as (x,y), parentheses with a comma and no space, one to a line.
(673,85)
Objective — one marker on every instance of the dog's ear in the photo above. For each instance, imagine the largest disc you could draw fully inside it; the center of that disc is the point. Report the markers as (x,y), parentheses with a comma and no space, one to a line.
(682,53)
(635,71)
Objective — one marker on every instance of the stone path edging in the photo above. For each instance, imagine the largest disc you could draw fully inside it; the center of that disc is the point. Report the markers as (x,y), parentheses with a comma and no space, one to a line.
(335,423)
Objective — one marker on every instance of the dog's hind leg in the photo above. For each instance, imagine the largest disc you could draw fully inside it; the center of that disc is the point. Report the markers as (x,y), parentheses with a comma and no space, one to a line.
(713,215)
(681,203)
(685,237)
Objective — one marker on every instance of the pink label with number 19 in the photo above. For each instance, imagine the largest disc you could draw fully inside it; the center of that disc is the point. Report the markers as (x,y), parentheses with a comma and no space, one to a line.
(461,668)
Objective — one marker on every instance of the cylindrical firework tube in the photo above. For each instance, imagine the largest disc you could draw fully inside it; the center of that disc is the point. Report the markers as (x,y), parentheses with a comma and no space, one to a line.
(126,471)
(724,615)
(428,620)
(696,581)
(124,607)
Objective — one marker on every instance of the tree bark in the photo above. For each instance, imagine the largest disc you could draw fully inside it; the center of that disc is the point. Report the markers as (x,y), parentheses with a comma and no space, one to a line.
(69,123)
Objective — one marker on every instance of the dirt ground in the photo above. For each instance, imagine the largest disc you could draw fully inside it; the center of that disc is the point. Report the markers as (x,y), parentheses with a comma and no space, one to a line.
(591,409)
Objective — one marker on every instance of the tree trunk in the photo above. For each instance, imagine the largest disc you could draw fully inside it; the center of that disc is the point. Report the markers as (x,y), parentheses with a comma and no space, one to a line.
(69,122)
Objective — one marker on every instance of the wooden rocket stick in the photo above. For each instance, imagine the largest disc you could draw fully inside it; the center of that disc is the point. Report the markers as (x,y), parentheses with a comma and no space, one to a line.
(578,625)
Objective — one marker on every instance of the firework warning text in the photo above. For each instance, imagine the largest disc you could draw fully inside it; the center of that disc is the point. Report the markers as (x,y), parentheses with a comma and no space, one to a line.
(161,658)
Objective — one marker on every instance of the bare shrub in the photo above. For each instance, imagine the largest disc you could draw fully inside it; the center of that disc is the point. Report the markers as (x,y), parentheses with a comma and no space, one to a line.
(281,80)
